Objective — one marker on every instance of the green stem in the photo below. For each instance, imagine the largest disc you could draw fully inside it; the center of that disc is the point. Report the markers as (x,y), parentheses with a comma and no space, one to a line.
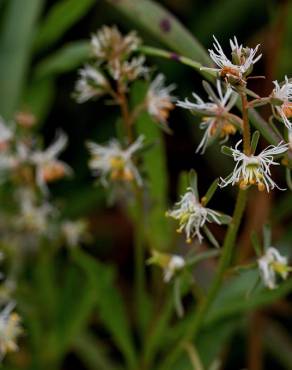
(149,50)
(139,253)
(224,262)
(246,128)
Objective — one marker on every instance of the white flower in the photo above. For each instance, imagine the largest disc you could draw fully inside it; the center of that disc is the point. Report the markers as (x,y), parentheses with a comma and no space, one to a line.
(215,114)
(74,231)
(91,84)
(33,217)
(48,167)
(170,263)
(175,264)
(283,92)
(254,169)
(192,216)
(159,100)
(6,134)
(271,264)
(243,59)
(10,330)
(109,44)
(11,161)
(128,70)
(113,162)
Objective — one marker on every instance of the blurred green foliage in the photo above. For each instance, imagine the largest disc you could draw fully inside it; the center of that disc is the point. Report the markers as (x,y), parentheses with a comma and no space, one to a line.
(79,312)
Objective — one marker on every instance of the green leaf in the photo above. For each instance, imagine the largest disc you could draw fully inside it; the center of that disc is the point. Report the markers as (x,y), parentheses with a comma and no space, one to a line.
(224,18)
(254,141)
(193,182)
(256,244)
(38,97)
(226,150)
(77,302)
(93,353)
(211,237)
(159,22)
(210,192)
(61,17)
(19,24)
(110,305)
(224,219)
(183,183)
(67,58)
(233,300)
(154,164)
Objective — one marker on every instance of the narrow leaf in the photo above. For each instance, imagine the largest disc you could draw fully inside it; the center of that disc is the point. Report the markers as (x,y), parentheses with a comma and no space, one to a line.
(62,15)
(15,44)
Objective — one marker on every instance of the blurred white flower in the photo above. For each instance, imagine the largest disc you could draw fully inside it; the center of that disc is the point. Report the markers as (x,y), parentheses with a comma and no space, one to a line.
(6,134)
(175,264)
(91,84)
(48,167)
(33,217)
(113,162)
(283,93)
(271,264)
(215,113)
(159,100)
(192,216)
(109,44)
(254,169)
(128,70)
(10,330)
(170,263)
(240,65)
(74,232)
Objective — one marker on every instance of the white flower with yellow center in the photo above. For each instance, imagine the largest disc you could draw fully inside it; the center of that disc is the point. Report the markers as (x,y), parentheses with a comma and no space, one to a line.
(10,330)
(48,167)
(254,169)
(271,264)
(115,163)
(170,263)
(283,93)
(243,59)
(159,100)
(192,216)
(109,44)
(215,114)
(91,84)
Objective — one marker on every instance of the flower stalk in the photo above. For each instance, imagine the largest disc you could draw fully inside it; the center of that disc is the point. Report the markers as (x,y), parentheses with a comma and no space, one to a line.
(246,127)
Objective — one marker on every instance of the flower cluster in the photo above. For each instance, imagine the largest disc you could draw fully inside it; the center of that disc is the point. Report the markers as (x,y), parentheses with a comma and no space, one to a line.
(236,69)
(116,63)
